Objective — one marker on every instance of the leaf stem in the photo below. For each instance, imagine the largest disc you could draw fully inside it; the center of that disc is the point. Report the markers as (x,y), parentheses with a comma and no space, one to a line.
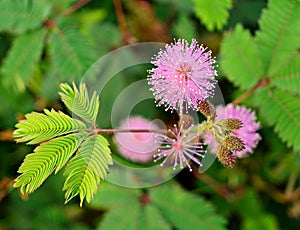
(161,131)
(75,7)
(259,84)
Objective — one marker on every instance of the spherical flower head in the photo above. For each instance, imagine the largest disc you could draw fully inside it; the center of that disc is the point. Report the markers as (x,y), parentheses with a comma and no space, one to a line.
(183,76)
(247,133)
(179,150)
(137,146)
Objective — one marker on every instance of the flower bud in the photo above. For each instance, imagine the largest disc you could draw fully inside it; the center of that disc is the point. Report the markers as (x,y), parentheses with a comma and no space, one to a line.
(232,123)
(233,143)
(226,157)
(206,108)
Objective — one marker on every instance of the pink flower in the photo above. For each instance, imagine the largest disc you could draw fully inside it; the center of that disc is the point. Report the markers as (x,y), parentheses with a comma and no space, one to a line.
(184,75)
(185,146)
(247,133)
(137,146)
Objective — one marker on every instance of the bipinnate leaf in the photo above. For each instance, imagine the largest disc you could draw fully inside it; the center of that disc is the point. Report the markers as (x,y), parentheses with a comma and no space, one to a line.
(281,109)
(212,13)
(160,207)
(72,55)
(123,218)
(22,57)
(185,210)
(18,16)
(152,219)
(240,59)
(79,103)
(48,157)
(85,171)
(278,37)
(39,127)
(288,77)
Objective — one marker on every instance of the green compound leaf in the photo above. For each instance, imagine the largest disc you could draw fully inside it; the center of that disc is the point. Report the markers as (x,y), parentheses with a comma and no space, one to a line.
(71,53)
(212,13)
(240,59)
(79,103)
(38,127)
(19,64)
(185,210)
(123,218)
(282,110)
(288,77)
(48,157)
(278,38)
(85,171)
(152,219)
(18,16)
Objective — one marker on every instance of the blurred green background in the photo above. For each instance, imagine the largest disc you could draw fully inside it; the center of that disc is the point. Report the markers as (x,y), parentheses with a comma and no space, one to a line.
(58,41)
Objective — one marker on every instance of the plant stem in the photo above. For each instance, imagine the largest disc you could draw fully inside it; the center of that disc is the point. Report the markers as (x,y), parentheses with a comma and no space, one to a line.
(161,131)
(127,38)
(260,83)
(75,7)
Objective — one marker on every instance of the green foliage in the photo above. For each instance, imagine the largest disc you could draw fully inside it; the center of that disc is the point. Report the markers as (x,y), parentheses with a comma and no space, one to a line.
(38,127)
(157,208)
(239,47)
(21,59)
(272,55)
(212,13)
(282,110)
(22,15)
(71,54)
(184,27)
(278,37)
(87,168)
(175,205)
(60,137)
(288,77)
(47,157)
(79,103)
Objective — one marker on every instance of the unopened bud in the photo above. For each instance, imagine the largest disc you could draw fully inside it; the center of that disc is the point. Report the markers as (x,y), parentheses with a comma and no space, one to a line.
(234,143)
(186,121)
(232,124)
(226,157)
(206,108)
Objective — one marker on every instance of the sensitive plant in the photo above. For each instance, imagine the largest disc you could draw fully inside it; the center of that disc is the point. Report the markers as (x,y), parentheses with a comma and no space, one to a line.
(79,144)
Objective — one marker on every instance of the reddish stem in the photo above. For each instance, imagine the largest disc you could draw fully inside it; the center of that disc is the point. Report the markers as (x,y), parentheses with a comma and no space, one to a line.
(259,84)
(75,7)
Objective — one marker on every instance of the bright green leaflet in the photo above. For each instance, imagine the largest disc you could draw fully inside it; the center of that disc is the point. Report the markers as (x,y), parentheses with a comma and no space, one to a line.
(60,137)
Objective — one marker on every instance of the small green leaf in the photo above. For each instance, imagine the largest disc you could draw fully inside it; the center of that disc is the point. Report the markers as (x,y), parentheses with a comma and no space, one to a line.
(79,103)
(71,53)
(288,77)
(19,64)
(152,219)
(185,210)
(48,157)
(121,218)
(281,109)
(22,15)
(212,13)
(240,60)
(85,171)
(278,37)
(39,127)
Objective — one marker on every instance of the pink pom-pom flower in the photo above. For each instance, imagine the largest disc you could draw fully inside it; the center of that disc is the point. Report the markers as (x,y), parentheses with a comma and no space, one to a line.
(183,76)
(137,146)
